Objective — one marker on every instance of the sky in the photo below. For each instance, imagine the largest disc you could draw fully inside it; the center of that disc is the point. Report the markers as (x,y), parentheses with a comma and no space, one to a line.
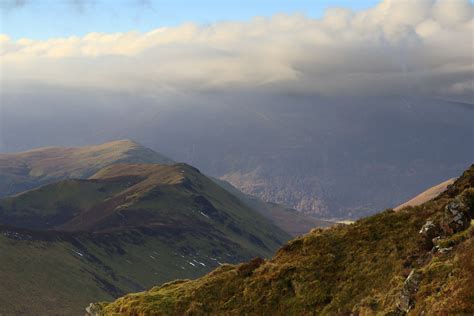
(42,19)
(391,47)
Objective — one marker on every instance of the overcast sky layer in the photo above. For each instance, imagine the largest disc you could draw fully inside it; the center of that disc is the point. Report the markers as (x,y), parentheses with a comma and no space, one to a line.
(421,47)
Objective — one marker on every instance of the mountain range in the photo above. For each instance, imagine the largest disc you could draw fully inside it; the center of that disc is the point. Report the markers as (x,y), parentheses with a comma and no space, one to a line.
(94,223)
(332,157)
(125,228)
(78,224)
(34,168)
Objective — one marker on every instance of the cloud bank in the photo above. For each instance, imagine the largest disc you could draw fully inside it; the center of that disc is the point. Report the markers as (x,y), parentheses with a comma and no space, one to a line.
(421,47)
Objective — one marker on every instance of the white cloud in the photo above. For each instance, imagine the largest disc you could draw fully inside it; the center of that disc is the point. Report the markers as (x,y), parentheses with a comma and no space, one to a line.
(422,46)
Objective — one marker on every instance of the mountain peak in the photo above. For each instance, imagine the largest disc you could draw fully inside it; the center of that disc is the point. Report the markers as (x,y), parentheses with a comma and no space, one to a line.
(121,143)
(28,169)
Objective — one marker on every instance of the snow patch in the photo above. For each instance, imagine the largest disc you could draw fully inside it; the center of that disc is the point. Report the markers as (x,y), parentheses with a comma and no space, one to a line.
(77,252)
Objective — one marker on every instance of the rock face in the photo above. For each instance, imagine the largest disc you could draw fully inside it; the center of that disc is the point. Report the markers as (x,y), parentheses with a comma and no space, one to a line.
(428,232)
(410,287)
(457,217)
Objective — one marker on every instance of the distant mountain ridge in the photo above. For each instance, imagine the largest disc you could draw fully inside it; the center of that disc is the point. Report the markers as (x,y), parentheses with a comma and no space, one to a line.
(328,156)
(128,196)
(33,168)
(26,170)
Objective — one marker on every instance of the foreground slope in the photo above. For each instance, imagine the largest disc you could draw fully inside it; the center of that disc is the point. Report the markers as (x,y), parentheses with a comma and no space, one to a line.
(30,169)
(128,227)
(417,260)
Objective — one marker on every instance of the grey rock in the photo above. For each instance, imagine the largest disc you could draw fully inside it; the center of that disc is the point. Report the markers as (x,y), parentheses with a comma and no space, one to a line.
(429,231)
(445,250)
(93,309)
(457,215)
(410,287)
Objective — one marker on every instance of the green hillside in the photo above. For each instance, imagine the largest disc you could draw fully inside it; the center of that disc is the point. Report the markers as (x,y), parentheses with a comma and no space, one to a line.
(29,169)
(128,227)
(34,168)
(418,260)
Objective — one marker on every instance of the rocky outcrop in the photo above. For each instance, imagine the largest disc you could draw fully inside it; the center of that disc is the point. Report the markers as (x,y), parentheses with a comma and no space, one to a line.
(94,309)
(428,233)
(457,216)
(410,287)
(445,250)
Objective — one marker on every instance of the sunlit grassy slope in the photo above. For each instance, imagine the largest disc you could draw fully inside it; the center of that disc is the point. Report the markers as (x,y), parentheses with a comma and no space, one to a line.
(359,268)
(128,227)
